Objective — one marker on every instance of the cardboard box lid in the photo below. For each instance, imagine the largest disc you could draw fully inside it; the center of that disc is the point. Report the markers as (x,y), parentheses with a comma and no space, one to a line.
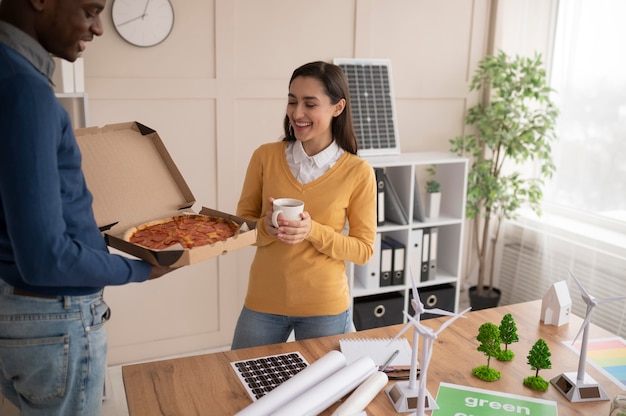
(131,175)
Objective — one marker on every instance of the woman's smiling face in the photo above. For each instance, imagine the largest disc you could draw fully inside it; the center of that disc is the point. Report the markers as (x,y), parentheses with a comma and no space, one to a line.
(310,113)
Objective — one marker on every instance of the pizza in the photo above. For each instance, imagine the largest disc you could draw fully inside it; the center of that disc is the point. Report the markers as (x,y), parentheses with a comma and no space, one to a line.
(192,230)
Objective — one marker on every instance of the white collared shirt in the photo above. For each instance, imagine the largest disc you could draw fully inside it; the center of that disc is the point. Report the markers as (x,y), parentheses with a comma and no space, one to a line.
(308,168)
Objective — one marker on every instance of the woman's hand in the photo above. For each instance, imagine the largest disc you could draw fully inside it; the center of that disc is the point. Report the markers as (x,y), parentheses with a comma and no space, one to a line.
(289,231)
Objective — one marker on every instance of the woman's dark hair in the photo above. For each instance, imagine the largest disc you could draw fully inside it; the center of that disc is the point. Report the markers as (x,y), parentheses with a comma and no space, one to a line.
(336,87)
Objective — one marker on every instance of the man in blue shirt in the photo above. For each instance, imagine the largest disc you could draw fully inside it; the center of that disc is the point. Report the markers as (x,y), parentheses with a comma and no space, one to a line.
(54,262)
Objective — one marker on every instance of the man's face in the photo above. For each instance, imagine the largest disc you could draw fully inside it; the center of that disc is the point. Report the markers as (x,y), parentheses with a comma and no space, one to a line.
(65,26)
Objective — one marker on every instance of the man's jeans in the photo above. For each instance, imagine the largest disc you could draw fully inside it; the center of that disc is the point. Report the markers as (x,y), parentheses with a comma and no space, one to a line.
(53,353)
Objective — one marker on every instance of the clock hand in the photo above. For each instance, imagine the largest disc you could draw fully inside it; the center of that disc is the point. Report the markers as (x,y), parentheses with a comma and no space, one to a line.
(132,20)
(144,14)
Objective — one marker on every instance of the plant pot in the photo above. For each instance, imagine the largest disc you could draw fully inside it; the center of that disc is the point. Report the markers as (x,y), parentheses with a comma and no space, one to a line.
(484,301)
(433,203)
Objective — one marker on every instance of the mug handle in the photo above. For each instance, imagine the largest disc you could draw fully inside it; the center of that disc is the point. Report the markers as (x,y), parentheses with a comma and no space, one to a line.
(275,218)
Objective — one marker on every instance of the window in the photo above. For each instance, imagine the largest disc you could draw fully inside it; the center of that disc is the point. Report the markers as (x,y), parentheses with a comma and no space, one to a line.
(588,74)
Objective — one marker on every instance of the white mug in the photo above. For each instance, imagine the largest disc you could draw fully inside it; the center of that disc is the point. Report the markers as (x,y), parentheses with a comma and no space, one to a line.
(289,207)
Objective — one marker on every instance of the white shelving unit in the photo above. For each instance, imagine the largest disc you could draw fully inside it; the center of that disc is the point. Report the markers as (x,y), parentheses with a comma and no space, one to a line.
(408,173)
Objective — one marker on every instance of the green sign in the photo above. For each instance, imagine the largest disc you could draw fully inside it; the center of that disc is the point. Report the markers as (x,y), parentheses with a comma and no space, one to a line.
(454,400)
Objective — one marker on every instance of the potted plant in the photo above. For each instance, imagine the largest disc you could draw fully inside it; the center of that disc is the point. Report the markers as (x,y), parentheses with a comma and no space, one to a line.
(433,194)
(514,126)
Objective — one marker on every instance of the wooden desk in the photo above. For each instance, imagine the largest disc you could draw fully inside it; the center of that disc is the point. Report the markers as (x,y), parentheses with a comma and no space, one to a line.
(207,385)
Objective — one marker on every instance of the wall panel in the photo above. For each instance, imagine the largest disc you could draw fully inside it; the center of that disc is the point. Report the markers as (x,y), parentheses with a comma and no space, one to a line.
(216,89)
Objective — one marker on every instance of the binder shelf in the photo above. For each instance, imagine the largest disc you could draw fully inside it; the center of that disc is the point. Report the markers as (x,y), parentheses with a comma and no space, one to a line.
(408,244)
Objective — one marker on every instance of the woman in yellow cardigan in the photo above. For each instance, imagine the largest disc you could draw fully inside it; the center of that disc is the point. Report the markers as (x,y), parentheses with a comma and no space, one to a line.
(297,279)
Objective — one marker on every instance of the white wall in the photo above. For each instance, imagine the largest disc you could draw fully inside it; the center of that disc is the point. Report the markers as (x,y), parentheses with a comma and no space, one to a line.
(216,89)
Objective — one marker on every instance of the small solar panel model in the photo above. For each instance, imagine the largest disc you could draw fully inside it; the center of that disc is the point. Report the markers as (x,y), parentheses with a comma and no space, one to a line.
(261,375)
(373,111)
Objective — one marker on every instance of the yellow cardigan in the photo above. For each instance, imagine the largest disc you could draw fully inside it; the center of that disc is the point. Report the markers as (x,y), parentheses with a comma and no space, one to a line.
(309,278)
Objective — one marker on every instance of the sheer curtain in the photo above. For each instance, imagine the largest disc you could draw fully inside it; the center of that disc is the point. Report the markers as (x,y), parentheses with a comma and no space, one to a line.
(534,255)
(583,228)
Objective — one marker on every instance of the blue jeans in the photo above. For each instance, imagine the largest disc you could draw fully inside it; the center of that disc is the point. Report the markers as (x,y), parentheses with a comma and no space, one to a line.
(257,328)
(53,353)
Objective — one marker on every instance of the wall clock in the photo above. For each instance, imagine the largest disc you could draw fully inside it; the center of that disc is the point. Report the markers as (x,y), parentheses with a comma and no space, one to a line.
(143,23)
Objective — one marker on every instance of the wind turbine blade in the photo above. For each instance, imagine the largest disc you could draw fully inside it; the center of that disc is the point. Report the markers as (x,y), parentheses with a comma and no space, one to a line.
(402,331)
(607,300)
(414,286)
(451,320)
(421,329)
(586,297)
(438,311)
(585,323)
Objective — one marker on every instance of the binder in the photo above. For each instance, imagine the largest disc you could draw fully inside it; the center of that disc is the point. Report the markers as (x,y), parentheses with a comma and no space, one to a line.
(432,258)
(368,274)
(399,250)
(425,254)
(386,263)
(415,250)
(394,211)
(380,195)
(418,206)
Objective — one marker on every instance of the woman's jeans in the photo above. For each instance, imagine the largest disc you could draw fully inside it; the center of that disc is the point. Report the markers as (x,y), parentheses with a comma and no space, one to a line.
(257,328)
(53,353)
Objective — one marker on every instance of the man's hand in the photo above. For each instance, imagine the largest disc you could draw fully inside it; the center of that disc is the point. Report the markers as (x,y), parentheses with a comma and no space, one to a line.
(158,271)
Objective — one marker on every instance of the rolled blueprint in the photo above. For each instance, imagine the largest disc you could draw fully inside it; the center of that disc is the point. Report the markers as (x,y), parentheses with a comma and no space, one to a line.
(312,375)
(322,395)
(363,395)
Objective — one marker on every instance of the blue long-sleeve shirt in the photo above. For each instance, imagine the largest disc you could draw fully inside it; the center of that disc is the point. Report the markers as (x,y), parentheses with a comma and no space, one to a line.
(49,241)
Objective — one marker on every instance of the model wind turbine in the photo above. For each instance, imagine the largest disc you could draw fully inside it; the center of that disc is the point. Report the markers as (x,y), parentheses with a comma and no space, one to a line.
(405,394)
(428,339)
(580,387)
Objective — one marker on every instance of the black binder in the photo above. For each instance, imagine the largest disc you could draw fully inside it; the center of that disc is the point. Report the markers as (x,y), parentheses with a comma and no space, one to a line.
(386,263)
(399,250)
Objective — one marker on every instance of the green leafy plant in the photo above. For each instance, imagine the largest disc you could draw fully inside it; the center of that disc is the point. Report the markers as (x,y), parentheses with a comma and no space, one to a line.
(508,335)
(432,186)
(538,359)
(489,337)
(515,125)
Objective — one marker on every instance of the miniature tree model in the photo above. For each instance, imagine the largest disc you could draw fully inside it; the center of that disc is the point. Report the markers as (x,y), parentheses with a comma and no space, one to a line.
(508,335)
(489,337)
(538,359)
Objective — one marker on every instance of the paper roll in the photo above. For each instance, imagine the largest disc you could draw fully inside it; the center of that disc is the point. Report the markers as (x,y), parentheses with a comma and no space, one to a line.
(323,395)
(363,395)
(314,374)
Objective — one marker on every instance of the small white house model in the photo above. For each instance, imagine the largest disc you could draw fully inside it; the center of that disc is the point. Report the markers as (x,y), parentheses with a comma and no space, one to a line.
(556,304)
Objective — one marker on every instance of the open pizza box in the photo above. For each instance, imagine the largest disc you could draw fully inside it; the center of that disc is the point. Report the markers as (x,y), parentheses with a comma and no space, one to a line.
(134,180)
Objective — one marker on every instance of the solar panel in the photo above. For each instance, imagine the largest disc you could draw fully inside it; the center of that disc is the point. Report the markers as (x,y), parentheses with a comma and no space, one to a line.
(261,375)
(373,112)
